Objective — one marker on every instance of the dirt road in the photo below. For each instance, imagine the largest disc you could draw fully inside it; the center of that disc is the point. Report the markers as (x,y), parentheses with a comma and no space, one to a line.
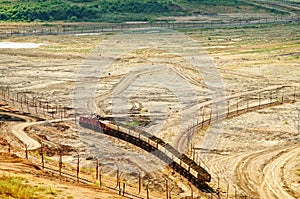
(17,129)
(261,175)
(257,159)
(293,9)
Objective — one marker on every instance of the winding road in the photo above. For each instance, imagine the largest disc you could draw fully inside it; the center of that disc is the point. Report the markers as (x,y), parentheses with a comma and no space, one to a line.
(18,129)
(18,132)
(260,174)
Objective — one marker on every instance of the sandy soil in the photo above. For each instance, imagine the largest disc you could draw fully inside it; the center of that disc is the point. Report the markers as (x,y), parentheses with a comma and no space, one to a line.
(256,153)
(259,158)
(11,165)
(64,135)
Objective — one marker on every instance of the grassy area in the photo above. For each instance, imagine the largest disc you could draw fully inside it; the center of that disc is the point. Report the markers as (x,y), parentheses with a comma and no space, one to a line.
(224,6)
(131,124)
(17,187)
(118,11)
(282,42)
(298,172)
(289,1)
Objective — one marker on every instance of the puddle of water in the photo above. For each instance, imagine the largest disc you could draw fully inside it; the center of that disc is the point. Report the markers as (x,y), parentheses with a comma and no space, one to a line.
(15,45)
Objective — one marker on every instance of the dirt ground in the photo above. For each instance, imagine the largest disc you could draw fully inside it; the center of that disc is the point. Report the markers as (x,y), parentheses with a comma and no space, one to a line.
(13,166)
(56,136)
(257,154)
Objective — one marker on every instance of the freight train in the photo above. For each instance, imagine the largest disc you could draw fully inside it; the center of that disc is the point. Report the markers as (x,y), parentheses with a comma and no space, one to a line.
(179,162)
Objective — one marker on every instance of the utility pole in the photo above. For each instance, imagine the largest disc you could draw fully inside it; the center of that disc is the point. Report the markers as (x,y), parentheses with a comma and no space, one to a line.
(77,170)
(298,123)
(97,169)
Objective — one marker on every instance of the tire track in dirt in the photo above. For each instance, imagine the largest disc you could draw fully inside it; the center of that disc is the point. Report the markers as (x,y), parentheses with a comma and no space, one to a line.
(19,132)
(287,182)
(273,184)
(218,168)
(247,181)
(259,174)
(18,129)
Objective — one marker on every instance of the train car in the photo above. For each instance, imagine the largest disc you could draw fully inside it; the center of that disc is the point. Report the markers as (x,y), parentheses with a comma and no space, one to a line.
(84,121)
(101,124)
(93,122)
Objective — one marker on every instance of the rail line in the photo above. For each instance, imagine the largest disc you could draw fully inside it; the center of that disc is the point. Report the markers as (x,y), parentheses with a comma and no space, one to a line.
(181,163)
(152,144)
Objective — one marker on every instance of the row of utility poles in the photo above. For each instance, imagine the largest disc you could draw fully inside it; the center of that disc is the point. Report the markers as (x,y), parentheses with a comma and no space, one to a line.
(99,174)
(39,105)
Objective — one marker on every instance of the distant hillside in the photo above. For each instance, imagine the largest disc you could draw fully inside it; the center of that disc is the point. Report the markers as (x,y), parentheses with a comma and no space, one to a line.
(118,10)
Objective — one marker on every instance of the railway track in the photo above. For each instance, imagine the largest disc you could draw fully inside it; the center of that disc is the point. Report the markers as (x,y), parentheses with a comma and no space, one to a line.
(181,163)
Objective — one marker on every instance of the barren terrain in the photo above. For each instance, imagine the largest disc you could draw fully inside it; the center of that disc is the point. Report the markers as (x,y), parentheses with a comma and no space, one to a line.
(257,154)
(47,185)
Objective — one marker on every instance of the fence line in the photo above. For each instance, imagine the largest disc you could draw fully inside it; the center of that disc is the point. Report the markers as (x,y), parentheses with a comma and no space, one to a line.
(236,105)
(49,110)
(240,104)
(119,27)
(102,180)
(180,165)
(37,106)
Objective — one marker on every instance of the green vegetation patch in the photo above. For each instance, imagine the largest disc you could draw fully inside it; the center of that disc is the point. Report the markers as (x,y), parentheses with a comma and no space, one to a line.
(297,172)
(75,10)
(16,187)
(132,124)
(118,10)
